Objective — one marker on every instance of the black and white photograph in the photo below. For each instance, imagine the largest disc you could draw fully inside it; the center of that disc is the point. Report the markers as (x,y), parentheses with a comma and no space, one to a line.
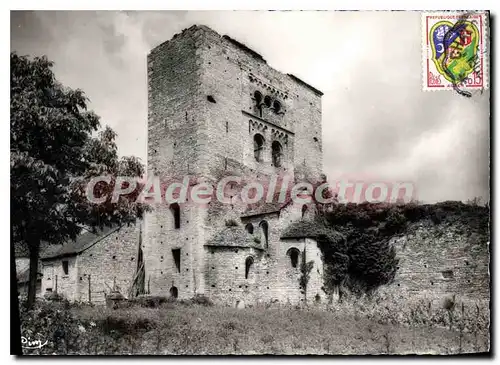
(250,182)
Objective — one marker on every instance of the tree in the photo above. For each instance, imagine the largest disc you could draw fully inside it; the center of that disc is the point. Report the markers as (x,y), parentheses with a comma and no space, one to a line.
(54,154)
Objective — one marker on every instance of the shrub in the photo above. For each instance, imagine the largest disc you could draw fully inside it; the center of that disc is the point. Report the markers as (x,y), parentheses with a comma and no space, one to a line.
(202,300)
(231,223)
(53,296)
(449,303)
(437,216)
(395,222)
(122,323)
(149,301)
(366,260)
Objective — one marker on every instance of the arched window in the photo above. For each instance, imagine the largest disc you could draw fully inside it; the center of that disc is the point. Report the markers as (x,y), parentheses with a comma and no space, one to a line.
(249,228)
(277,106)
(294,253)
(258,145)
(304,210)
(277,152)
(258,102)
(264,227)
(248,266)
(258,98)
(176,211)
(174,293)
(267,101)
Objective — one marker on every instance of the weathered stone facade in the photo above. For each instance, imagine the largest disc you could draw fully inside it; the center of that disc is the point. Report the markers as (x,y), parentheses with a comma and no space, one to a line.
(210,99)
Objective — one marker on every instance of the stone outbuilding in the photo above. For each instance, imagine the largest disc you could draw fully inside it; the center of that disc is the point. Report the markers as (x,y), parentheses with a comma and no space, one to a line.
(93,265)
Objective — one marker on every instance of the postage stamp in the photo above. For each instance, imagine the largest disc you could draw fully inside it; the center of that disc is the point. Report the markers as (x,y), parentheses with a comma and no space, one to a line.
(454,50)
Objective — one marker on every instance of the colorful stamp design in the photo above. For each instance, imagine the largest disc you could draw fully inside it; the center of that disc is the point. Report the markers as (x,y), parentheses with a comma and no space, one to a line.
(454,50)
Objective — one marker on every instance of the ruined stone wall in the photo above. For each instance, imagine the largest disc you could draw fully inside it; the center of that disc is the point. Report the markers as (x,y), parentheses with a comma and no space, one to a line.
(436,261)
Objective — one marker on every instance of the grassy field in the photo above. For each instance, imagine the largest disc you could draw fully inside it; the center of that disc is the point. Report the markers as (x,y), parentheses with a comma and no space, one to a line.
(209,330)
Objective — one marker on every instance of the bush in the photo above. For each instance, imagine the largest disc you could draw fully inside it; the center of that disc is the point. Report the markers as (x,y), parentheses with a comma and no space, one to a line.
(51,322)
(437,216)
(372,264)
(117,324)
(231,223)
(449,303)
(396,222)
(202,300)
(148,301)
(367,261)
(53,296)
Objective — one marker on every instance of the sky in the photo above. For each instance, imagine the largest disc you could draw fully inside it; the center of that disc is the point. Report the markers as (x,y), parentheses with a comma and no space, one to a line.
(378,123)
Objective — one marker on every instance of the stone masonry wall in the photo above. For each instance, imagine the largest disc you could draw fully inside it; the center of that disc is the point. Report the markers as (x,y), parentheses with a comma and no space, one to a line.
(201,120)
(176,145)
(231,75)
(111,260)
(437,261)
(160,238)
(54,278)
(225,274)
(272,277)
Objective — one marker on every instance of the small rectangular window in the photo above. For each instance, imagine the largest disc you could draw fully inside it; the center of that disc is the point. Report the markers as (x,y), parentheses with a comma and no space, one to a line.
(176,253)
(65,267)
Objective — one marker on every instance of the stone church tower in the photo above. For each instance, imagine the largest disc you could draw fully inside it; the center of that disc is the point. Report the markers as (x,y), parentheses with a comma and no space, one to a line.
(216,108)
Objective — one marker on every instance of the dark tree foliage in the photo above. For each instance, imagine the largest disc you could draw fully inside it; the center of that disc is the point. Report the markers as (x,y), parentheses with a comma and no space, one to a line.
(372,263)
(53,155)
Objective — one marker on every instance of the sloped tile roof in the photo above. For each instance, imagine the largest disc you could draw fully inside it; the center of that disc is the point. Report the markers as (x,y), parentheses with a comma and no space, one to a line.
(311,229)
(82,242)
(234,237)
(265,208)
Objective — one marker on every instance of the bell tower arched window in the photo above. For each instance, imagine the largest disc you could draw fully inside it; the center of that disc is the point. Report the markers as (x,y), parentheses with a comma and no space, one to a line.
(268,101)
(277,153)
(258,102)
(258,146)
(264,226)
